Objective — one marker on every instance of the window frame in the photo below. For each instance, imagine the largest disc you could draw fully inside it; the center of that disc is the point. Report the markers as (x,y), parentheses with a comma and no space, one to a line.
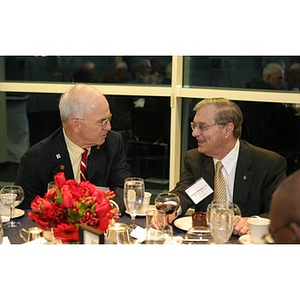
(176,92)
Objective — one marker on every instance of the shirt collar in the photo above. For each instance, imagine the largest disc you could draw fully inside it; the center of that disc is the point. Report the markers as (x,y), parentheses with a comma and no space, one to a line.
(74,150)
(229,161)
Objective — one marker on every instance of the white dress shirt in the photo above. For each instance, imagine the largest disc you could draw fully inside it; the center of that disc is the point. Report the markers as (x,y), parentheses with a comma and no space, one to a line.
(229,162)
(75,156)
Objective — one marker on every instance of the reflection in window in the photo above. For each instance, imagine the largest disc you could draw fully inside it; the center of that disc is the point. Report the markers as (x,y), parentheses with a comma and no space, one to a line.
(153,70)
(143,122)
(243,72)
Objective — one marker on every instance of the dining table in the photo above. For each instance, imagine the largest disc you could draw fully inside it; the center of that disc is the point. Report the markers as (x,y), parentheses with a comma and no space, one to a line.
(26,223)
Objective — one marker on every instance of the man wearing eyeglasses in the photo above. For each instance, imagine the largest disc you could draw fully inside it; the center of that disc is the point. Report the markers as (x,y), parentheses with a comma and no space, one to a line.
(85,117)
(285,212)
(251,173)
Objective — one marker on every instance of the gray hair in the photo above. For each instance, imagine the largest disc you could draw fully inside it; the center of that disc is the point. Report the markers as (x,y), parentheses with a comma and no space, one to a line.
(76,101)
(227,112)
(270,69)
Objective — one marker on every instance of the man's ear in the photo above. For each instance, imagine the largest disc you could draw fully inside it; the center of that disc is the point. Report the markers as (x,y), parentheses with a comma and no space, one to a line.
(296,230)
(229,129)
(75,125)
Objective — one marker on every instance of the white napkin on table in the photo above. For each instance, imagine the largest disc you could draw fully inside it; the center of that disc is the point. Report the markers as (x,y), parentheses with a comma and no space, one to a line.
(5,241)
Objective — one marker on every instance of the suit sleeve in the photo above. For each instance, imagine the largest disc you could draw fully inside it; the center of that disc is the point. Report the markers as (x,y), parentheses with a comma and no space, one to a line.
(186,179)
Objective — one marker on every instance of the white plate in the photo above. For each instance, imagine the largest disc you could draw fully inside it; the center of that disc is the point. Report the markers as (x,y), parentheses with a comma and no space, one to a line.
(245,239)
(17,213)
(142,215)
(184,223)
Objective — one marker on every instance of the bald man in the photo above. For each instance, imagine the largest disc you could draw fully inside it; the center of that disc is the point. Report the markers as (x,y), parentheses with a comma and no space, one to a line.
(285,211)
(85,116)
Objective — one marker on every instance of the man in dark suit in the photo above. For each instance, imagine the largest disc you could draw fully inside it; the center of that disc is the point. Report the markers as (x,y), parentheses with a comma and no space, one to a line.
(251,173)
(85,117)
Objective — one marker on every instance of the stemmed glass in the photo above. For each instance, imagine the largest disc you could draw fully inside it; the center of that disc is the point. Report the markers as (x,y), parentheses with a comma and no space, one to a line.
(167,202)
(12,196)
(134,190)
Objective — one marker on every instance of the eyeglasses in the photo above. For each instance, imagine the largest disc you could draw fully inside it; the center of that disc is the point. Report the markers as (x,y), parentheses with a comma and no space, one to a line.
(201,127)
(98,123)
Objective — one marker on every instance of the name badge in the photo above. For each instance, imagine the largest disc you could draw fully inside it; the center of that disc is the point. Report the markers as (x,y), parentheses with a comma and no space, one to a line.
(199,190)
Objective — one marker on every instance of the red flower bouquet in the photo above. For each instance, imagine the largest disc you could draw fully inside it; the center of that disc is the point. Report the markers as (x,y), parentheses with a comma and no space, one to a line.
(70,204)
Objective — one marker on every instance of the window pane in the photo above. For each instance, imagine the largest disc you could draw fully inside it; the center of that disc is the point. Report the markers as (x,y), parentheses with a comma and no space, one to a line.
(255,72)
(273,126)
(97,69)
(143,122)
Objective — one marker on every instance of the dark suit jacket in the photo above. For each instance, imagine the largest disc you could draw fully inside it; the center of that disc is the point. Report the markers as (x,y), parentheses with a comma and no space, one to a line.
(258,172)
(106,166)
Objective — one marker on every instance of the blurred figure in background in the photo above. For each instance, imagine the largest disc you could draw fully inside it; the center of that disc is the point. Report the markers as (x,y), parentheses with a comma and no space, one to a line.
(86,73)
(142,71)
(293,77)
(119,75)
(272,78)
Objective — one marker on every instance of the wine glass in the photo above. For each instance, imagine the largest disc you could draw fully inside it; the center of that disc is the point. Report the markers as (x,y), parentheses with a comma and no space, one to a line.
(221,222)
(11,196)
(134,190)
(167,202)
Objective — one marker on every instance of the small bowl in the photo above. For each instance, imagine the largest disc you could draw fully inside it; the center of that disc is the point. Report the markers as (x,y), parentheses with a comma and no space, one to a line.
(118,233)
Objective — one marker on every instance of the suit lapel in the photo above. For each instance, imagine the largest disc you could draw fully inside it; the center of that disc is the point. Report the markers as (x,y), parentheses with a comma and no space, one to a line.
(96,164)
(61,159)
(207,172)
(243,176)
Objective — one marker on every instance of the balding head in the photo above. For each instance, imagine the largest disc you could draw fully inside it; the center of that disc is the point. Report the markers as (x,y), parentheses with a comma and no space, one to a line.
(273,74)
(285,209)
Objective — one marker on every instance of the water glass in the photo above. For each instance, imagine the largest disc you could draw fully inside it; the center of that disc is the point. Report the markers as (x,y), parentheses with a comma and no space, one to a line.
(157,228)
(236,210)
(221,223)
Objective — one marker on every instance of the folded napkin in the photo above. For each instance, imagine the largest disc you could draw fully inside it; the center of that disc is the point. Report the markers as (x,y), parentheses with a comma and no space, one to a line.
(39,241)
(5,241)
(4,219)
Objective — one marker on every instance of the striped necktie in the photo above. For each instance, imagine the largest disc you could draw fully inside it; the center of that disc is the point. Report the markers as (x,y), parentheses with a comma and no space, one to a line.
(220,186)
(83,165)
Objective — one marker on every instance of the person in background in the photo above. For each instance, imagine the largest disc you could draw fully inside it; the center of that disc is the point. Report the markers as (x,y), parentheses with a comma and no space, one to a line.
(86,73)
(251,173)
(272,78)
(293,77)
(285,211)
(85,117)
(266,121)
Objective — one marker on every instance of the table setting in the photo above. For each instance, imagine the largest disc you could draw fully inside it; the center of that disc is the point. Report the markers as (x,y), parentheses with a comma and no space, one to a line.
(57,214)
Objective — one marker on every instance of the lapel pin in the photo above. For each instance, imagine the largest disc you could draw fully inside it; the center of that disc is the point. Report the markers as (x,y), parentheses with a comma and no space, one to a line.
(245,177)
(58,156)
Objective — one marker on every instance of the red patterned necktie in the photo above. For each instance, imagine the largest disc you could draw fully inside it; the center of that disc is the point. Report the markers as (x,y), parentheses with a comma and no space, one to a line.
(220,186)
(83,165)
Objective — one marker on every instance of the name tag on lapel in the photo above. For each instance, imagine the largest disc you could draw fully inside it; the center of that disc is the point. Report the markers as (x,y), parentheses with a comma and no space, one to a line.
(199,190)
